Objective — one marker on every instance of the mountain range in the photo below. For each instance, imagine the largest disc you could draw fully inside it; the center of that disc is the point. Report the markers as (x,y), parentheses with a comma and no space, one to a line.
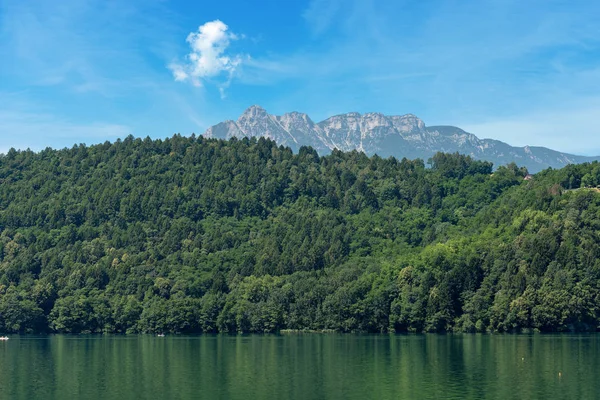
(375,133)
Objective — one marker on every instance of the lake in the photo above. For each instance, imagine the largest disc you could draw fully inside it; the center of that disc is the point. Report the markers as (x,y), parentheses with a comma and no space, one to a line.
(303,366)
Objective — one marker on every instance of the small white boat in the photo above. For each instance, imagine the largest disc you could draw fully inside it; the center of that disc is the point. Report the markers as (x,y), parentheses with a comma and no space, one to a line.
(3,337)
(159,335)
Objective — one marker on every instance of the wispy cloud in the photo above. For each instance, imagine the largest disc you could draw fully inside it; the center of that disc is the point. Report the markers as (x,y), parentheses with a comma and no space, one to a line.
(37,131)
(90,46)
(47,46)
(208,57)
(320,14)
(572,130)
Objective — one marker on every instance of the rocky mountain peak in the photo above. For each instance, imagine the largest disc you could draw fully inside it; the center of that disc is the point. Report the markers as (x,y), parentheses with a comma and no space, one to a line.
(352,114)
(375,133)
(407,122)
(253,112)
(296,117)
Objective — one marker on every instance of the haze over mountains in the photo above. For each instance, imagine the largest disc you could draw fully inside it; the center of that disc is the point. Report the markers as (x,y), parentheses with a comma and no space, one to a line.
(375,133)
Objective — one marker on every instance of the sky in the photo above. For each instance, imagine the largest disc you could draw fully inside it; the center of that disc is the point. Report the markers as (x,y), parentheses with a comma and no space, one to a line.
(87,71)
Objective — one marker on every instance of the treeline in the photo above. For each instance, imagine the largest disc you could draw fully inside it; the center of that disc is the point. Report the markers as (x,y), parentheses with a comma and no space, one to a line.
(198,235)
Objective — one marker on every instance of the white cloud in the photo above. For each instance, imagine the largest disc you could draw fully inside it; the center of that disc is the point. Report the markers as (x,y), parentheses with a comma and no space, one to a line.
(208,57)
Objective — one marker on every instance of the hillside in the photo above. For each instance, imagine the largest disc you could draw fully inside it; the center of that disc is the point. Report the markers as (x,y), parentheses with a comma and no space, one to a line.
(202,235)
(404,136)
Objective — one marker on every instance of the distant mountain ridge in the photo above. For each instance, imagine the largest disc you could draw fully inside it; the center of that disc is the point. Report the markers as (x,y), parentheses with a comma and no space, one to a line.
(375,133)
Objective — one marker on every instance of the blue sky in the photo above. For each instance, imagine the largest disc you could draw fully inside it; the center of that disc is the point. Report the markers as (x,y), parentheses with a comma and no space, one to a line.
(86,71)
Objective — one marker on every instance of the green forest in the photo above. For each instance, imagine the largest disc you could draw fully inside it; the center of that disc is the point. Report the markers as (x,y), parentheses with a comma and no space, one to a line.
(195,235)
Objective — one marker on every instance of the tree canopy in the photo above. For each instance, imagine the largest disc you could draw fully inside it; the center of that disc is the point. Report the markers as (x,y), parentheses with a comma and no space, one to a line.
(194,235)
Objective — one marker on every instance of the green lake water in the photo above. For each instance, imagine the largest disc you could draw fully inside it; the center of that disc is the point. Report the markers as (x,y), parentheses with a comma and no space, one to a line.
(309,366)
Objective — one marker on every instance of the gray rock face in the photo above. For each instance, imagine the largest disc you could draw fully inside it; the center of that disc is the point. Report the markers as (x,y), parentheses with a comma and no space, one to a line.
(375,133)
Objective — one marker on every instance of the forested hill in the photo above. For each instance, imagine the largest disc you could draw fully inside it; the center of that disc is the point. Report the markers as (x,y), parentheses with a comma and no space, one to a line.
(202,235)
